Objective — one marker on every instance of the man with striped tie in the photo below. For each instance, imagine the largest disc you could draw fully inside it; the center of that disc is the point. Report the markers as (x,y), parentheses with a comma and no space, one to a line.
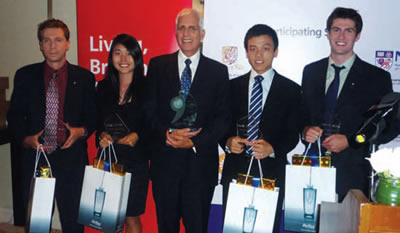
(269,103)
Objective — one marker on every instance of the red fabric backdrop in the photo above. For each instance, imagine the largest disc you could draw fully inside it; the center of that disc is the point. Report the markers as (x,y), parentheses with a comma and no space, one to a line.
(152,23)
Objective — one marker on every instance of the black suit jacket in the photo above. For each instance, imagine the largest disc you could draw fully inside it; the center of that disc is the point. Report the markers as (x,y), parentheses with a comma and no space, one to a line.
(365,85)
(210,87)
(131,114)
(26,115)
(278,126)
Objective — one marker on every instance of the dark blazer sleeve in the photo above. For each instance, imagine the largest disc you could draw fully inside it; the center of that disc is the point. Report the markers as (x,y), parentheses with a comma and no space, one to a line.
(101,100)
(157,128)
(82,106)
(220,116)
(284,107)
(17,113)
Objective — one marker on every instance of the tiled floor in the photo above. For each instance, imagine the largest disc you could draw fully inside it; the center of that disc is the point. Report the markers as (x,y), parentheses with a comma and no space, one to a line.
(7,228)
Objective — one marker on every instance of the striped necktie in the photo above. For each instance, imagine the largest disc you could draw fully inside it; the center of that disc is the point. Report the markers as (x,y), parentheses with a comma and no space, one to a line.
(186,79)
(51,119)
(254,112)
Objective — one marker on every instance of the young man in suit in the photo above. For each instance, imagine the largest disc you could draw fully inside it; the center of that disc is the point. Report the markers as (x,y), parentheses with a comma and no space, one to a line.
(53,106)
(337,91)
(184,161)
(276,117)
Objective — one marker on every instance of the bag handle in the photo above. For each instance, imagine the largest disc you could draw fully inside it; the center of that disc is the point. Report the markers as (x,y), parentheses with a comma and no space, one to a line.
(309,147)
(259,167)
(39,151)
(111,151)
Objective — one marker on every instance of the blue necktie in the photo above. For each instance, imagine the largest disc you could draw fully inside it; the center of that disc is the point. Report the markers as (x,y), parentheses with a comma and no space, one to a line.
(186,79)
(254,112)
(331,96)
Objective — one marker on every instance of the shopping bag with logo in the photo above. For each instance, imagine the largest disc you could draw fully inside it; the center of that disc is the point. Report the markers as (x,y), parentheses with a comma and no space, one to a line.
(251,205)
(306,186)
(105,194)
(41,196)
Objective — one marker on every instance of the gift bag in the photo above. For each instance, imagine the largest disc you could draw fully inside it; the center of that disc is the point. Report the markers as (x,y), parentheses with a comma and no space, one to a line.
(104,196)
(41,196)
(250,209)
(305,188)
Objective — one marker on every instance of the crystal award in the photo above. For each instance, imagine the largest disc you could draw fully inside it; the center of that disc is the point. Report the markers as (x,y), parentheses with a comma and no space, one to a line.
(115,126)
(244,124)
(185,112)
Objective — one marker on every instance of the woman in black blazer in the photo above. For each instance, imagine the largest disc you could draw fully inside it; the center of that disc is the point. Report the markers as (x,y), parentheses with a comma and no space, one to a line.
(119,99)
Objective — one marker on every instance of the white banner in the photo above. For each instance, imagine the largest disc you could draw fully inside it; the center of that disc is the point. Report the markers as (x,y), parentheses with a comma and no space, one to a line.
(301,31)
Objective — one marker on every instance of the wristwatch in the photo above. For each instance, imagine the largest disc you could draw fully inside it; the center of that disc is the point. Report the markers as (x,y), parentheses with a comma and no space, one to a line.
(227,150)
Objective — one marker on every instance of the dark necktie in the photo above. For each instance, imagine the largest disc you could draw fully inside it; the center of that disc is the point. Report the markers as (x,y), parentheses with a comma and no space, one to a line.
(186,79)
(51,119)
(254,112)
(331,96)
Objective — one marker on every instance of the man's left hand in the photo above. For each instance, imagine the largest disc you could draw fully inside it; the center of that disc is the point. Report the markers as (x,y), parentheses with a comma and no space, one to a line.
(74,134)
(261,148)
(336,143)
(181,138)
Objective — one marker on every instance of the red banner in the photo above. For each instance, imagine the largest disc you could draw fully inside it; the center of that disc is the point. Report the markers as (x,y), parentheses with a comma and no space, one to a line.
(152,23)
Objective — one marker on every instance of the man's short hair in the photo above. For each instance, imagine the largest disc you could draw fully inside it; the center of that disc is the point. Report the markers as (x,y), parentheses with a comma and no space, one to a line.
(345,13)
(186,11)
(260,30)
(52,23)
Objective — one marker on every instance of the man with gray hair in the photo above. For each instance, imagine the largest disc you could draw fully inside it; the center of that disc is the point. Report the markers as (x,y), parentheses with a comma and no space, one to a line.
(184,162)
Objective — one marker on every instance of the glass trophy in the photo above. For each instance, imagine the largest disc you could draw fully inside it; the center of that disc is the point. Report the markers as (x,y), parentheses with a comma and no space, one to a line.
(328,130)
(99,198)
(185,112)
(309,201)
(243,125)
(115,126)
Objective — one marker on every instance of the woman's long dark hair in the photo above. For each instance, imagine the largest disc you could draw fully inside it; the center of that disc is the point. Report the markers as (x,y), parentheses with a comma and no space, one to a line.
(135,88)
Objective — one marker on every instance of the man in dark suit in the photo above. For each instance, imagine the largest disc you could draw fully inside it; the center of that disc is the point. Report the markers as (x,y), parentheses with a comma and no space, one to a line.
(53,104)
(184,162)
(277,121)
(356,86)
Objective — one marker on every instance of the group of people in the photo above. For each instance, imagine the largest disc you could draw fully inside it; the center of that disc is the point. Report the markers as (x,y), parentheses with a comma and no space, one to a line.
(56,104)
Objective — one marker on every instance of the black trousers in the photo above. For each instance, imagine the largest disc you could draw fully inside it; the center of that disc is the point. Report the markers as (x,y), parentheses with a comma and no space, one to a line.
(179,197)
(68,168)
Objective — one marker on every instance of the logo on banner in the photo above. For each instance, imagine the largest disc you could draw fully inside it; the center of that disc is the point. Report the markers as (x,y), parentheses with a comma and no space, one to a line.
(229,54)
(384,59)
(397,60)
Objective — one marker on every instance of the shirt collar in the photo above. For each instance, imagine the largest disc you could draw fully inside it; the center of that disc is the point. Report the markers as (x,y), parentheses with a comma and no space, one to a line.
(49,69)
(269,74)
(195,58)
(347,64)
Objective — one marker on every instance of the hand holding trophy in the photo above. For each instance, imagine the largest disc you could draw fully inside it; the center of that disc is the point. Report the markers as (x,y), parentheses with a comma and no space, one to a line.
(116,127)
(247,128)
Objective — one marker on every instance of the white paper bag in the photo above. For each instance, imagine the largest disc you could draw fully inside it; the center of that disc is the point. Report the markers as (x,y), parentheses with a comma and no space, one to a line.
(104,199)
(305,188)
(250,209)
(41,199)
